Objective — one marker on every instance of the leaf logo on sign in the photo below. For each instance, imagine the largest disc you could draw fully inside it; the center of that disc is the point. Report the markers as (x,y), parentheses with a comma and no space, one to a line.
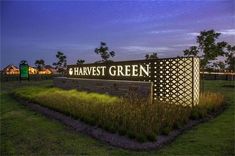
(70,71)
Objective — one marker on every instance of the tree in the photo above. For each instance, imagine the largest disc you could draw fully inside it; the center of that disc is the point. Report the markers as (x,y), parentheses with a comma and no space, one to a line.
(192,51)
(104,52)
(80,61)
(208,47)
(62,62)
(220,66)
(40,64)
(230,57)
(23,62)
(151,56)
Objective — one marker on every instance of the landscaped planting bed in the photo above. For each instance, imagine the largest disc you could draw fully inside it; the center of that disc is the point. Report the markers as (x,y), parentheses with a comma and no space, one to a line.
(135,118)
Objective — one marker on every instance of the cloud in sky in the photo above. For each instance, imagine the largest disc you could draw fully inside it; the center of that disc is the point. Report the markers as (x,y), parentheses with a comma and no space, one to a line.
(193,34)
(77,46)
(145,49)
(228,32)
(166,31)
(184,45)
(142,18)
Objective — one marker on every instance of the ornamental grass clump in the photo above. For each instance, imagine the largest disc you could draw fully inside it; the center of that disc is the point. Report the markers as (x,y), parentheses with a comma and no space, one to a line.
(137,119)
(209,103)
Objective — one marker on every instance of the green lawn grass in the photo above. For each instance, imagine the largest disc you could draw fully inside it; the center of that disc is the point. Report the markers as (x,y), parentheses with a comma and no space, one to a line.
(29,133)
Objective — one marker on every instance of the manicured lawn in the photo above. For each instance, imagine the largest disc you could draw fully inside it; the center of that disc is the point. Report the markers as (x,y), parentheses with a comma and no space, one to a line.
(26,132)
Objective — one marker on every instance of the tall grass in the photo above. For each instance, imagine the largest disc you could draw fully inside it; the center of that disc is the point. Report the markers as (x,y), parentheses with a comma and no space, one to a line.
(209,103)
(135,118)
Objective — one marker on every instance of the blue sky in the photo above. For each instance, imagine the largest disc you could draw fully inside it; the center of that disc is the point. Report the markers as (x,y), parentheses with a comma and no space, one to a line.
(33,30)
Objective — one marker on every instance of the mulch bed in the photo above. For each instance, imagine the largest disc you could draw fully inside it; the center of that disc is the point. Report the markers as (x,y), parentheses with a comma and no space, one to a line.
(114,139)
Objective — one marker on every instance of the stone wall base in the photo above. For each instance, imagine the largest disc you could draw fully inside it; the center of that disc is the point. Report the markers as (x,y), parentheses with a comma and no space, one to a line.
(111,87)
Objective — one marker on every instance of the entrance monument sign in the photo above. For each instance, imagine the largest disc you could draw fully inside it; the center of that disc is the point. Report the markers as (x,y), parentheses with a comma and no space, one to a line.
(173,80)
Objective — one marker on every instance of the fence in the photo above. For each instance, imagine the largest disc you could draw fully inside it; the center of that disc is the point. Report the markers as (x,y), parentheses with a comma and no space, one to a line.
(218,76)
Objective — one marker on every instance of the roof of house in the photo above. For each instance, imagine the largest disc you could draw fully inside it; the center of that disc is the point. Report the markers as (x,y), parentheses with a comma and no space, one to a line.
(10,66)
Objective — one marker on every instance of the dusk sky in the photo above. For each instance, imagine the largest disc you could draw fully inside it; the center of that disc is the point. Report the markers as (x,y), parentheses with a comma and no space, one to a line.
(33,30)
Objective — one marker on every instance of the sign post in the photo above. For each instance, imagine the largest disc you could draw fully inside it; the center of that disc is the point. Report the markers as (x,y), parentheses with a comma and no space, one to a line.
(24,71)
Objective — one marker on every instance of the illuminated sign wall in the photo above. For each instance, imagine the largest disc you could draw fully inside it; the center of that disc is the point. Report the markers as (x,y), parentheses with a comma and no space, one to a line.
(174,79)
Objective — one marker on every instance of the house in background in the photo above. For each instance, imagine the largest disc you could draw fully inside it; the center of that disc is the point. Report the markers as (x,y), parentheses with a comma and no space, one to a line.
(32,70)
(52,69)
(45,70)
(14,70)
(11,70)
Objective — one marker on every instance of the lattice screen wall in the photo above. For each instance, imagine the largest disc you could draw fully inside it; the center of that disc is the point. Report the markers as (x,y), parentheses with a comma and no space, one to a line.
(176,80)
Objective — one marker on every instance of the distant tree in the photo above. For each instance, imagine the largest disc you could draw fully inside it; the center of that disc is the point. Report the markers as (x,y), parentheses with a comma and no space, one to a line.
(39,64)
(192,51)
(210,68)
(230,57)
(208,47)
(104,52)
(23,62)
(219,66)
(80,62)
(151,56)
(62,62)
